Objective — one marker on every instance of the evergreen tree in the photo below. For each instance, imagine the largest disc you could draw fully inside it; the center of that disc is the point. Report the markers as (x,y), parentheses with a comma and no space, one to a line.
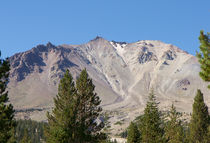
(204,56)
(133,133)
(25,138)
(62,122)
(35,130)
(207,138)
(150,128)
(88,109)
(174,132)
(7,122)
(199,121)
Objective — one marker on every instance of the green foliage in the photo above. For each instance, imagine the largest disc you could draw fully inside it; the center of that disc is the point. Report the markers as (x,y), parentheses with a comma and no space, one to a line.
(118,123)
(88,109)
(204,56)
(31,131)
(133,133)
(151,131)
(62,122)
(174,132)
(26,138)
(199,121)
(74,117)
(7,122)
(123,134)
(107,124)
(207,138)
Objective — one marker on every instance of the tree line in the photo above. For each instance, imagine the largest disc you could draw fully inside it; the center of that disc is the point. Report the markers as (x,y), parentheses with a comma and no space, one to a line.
(153,127)
(77,115)
(29,131)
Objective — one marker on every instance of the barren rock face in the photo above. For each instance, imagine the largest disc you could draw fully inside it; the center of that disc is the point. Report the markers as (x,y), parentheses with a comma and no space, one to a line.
(169,55)
(122,72)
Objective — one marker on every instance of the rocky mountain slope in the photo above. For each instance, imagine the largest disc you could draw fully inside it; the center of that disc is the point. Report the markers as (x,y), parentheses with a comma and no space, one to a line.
(122,72)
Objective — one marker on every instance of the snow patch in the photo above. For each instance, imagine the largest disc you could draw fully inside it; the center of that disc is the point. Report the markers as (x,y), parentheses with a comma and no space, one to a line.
(119,48)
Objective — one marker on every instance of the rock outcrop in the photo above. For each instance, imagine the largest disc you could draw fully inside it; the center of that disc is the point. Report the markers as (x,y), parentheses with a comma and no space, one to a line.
(122,72)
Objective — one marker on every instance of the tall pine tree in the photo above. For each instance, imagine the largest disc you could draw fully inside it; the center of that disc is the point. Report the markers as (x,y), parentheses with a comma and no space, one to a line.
(88,109)
(62,122)
(199,121)
(207,138)
(151,131)
(174,132)
(133,133)
(26,138)
(204,56)
(7,122)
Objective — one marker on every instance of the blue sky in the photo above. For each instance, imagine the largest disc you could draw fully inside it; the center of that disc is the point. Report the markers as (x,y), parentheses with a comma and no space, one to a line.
(25,24)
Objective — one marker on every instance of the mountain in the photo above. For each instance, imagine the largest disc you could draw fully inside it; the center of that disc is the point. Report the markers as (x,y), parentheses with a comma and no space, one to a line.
(122,72)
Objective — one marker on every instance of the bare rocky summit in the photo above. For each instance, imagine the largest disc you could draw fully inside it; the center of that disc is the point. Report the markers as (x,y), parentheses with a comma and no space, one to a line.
(122,72)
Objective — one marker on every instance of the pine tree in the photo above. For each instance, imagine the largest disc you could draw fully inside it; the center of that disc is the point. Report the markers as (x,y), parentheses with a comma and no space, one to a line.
(62,122)
(25,138)
(7,122)
(133,133)
(207,138)
(204,56)
(150,128)
(174,132)
(88,109)
(200,120)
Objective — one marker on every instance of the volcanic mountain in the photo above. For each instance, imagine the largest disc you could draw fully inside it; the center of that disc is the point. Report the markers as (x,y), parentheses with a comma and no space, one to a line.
(123,74)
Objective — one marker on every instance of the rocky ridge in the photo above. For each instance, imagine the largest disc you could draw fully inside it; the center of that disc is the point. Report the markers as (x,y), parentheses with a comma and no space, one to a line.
(122,72)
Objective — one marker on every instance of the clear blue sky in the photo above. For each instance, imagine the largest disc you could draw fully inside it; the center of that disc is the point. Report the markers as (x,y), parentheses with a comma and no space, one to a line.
(26,23)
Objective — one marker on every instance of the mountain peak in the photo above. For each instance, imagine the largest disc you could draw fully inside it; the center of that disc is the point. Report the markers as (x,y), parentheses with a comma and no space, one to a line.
(122,72)
(49,44)
(98,38)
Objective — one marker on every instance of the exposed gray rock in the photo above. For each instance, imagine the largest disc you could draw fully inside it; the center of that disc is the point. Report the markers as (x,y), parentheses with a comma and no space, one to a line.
(183,82)
(146,56)
(169,55)
(122,72)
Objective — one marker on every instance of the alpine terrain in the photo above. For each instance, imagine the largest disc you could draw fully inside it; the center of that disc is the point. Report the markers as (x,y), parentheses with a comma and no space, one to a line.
(123,74)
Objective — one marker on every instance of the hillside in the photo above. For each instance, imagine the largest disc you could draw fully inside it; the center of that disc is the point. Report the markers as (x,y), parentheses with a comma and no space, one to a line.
(122,72)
